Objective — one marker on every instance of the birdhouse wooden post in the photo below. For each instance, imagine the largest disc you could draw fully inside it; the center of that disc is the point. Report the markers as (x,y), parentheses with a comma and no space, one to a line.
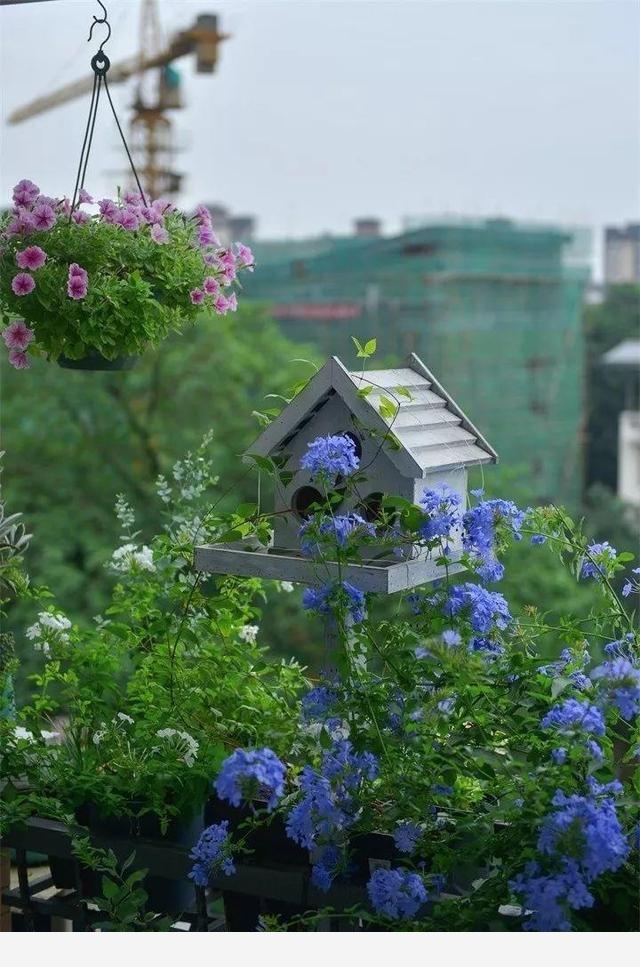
(410,436)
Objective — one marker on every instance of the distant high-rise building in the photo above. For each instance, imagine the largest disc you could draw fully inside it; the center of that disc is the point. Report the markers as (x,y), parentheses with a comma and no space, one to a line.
(622,254)
(492,307)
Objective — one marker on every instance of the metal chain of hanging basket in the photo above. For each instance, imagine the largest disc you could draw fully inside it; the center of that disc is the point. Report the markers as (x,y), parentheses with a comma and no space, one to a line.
(100,65)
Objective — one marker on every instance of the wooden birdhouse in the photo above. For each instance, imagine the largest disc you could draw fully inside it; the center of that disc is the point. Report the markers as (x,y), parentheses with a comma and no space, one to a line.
(409,435)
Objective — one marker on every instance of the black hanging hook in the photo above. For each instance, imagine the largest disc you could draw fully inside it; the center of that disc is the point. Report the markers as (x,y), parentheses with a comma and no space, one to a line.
(100,20)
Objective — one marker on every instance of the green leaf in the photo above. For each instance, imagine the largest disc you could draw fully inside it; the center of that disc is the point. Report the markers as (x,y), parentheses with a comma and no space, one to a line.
(370,347)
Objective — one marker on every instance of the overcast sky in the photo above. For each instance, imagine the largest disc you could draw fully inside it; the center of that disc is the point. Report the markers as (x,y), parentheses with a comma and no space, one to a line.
(322,111)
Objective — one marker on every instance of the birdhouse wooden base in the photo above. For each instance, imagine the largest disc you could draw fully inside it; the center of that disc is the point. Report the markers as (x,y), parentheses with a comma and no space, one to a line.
(384,577)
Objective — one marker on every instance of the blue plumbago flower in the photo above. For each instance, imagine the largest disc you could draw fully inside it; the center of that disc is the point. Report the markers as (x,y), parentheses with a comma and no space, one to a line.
(631,584)
(326,864)
(328,806)
(487,609)
(422,652)
(248,773)
(588,830)
(406,836)
(487,647)
(518,803)
(450,638)
(580,680)
(549,897)
(598,564)
(559,756)
(594,750)
(538,539)
(439,790)
(574,716)
(396,893)
(318,702)
(619,681)
(342,593)
(442,512)
(320,534)
(479,533)
(446,705)
(211,853)
(329,457)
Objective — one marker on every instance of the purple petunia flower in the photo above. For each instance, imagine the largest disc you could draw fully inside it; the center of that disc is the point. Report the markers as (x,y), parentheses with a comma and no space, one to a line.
(32,258)
(22,284)
(19,360)
(197,296)
(159,234)
(84,197)
(244,256)
(211,285)
(25,192)
(17,335)
(128,220)
(81,218)
(44,217)
(77,282)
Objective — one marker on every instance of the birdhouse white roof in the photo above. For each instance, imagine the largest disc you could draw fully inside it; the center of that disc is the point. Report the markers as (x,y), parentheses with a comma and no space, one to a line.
(431,430)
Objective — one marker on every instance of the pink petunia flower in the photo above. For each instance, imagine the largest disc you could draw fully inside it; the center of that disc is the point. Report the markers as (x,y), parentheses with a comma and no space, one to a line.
(44,217)
(127,220)
(25,193)
(23,283)
(132,198)
(84,197)
(22,224)
(109,210)
(232,302)
(151,216)
(244,255)
(17,335)
(227,259)
(19,360)
(211,285)
(210,259)
(197,296)
(32,258)
(207,236)
(163,206)
(221,304)
(81,218)
(159,234)
(77,282)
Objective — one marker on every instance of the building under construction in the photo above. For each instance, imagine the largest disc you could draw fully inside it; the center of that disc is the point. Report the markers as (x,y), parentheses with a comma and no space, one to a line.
(492,307)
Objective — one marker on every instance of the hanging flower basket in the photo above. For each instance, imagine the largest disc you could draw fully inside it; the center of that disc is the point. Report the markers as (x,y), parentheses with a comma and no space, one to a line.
(92,287)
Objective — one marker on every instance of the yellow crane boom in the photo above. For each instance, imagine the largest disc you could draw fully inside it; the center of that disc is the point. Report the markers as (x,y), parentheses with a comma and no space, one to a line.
(202,39)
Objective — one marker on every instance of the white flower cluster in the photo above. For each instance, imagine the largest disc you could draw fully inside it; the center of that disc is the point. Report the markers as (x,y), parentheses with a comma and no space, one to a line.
(249,633)
(187,744)
(129,556)
(163,489)
(285,586)
(118,718)
(27,735)
(50,627)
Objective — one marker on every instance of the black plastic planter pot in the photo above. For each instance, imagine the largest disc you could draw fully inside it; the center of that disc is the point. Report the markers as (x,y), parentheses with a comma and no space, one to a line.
(96,362)
(165,896)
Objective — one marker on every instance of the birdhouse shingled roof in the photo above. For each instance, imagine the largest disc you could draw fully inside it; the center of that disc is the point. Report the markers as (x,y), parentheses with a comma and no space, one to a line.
(431,430)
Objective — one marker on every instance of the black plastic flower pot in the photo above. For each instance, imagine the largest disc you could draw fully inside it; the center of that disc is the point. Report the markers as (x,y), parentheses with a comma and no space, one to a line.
(96,362)
(166,896)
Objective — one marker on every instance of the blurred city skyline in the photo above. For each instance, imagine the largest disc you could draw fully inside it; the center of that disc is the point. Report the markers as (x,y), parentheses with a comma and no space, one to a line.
(321,112)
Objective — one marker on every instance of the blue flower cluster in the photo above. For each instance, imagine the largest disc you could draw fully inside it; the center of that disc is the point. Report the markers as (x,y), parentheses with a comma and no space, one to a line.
(329,457)
(487,609)
(328,531)
(479,535)
(318,702)
(598,564)
(619,680)
(251,773)
(575,716)
(396,893)
(548,897)
(631,585)
(328,806)
(406,836)
(442,512)
(211,853)
(324,599)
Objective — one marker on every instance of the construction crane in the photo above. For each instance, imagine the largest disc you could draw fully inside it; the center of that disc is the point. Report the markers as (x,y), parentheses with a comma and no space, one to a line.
(157,92)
